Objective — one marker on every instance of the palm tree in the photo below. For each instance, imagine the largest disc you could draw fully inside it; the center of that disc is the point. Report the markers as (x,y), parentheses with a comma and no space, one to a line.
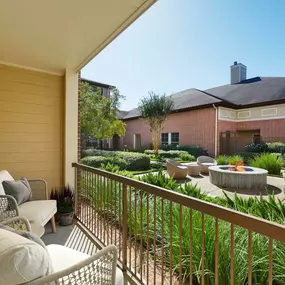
(155,109)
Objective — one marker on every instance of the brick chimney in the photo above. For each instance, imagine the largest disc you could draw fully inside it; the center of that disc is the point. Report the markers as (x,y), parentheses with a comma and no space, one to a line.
(238,72)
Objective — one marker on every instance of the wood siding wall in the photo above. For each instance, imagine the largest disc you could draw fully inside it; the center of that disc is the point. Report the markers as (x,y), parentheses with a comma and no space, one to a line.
(31,124)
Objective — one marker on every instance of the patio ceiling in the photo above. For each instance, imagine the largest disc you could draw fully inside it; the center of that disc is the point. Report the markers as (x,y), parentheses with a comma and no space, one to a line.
(54,35)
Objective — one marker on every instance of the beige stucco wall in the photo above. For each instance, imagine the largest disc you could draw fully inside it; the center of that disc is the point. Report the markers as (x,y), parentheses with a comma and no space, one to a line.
(31,124)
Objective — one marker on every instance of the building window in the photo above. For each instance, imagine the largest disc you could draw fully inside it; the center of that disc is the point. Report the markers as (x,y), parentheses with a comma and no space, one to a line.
(175,138)
(170,138)
(164,138)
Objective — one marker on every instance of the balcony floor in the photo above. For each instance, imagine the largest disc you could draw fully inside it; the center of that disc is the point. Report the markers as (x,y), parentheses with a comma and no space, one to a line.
(72,236)
(60,237)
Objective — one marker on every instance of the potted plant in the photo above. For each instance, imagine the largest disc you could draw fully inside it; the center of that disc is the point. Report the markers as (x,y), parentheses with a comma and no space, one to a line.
(65,204)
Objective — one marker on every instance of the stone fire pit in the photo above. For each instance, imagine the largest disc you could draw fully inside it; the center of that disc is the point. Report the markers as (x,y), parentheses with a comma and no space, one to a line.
(230,176)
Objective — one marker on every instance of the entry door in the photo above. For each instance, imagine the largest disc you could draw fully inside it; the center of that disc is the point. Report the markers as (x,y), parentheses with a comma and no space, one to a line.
(137,143)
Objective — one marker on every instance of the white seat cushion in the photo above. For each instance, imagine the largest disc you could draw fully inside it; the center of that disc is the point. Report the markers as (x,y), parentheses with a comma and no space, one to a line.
(182,167)
(63,257)
(4,175)
(21,260)
(39,211)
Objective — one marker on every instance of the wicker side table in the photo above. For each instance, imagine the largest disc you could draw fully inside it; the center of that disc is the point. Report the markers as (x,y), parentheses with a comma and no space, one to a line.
(193,169)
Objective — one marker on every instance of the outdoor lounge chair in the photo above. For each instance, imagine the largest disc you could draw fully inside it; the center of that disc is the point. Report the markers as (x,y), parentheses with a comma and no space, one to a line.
(205,162)
(69,266)
(39,210)
(176,170)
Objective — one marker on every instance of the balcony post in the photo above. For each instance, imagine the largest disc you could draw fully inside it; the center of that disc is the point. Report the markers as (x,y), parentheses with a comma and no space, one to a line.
(76,190)
(71,125)
(125,226)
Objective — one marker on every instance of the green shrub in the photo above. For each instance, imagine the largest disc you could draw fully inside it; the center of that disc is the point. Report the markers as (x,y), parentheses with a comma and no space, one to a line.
(97,152)
(187,157)
(256,147)
(268,161)
(151,152)
(166,154)
(115,169)
(278,147)
(135,161)
(191,149)
(228,159)
(97,161)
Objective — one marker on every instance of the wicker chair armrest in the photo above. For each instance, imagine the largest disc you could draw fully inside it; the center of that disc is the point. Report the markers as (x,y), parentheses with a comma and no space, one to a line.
(39,189)
(19,223)
(8,207)
(99,268)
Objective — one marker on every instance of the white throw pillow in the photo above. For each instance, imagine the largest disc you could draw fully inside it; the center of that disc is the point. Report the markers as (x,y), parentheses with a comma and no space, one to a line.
(4,175)
(21,260)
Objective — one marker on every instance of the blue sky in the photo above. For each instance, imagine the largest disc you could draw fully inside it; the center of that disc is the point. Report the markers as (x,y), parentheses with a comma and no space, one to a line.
(180,44)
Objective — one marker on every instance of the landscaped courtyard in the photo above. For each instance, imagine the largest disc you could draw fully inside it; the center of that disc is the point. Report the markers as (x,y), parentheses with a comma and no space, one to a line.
(175,222)
(143,165)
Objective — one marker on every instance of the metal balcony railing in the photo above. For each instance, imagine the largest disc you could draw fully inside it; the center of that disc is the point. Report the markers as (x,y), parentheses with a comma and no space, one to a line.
(166,237)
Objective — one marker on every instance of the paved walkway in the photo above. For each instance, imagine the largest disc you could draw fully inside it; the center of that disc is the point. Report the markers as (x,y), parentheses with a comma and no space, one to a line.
(275,186)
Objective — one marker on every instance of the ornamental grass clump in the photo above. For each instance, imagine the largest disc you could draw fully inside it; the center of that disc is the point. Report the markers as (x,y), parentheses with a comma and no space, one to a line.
(172,230)
(159,179)
(271,162)
(228,159)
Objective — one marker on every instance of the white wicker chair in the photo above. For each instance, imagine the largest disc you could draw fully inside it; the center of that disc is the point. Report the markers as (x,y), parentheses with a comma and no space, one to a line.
(100,268)
(205,162)
(40,210)
(176,170)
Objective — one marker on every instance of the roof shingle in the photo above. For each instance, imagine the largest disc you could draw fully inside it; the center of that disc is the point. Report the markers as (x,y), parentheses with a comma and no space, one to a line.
(253,91)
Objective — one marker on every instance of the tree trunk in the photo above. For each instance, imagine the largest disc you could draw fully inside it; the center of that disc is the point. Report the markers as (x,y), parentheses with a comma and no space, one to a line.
(155,140)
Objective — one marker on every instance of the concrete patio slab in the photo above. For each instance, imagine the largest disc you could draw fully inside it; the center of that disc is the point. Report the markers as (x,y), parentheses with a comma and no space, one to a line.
(275,185)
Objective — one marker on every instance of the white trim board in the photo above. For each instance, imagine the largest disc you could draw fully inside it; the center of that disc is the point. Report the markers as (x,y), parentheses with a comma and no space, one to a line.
(268,115)
(31,68)
(241,114)
(247,120)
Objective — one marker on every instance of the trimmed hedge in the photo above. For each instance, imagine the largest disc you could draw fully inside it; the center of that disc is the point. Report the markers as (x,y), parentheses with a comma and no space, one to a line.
(266,147)
(256,147)
(194,150)
(166,154)
(174,154)
(97,152)
(133,161)
(97,161)
(276,147)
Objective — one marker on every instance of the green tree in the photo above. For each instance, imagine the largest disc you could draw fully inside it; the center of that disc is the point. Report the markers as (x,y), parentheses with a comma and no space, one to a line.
(98,114)
(154,110)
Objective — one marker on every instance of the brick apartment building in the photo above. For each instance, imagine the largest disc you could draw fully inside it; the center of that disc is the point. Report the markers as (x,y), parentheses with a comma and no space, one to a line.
(222,119)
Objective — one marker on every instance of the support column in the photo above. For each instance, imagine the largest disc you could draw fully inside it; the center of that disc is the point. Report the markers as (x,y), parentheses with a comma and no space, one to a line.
(71,125)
